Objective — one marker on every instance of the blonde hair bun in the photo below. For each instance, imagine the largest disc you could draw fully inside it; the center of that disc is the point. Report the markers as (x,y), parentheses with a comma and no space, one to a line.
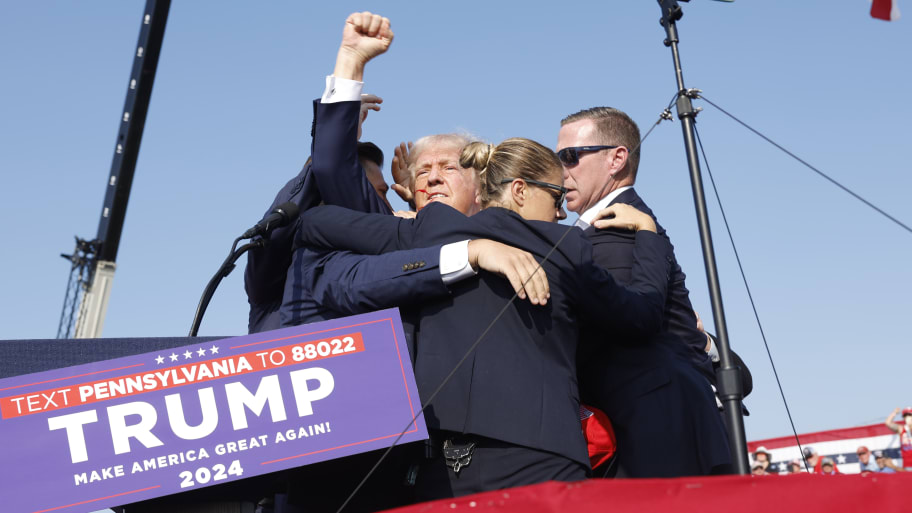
(476,155)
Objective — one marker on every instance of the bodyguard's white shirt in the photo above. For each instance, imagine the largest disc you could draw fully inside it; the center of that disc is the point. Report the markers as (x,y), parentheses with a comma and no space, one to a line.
(587,216)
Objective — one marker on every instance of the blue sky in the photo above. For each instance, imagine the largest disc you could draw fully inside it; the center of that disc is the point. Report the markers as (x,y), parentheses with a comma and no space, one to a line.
(229,125)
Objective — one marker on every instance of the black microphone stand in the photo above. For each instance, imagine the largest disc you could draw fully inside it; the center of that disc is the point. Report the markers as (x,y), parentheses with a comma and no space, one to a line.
(730,390)
(223,271)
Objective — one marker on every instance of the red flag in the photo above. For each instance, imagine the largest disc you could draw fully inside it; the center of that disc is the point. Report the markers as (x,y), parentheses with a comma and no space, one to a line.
(885,10)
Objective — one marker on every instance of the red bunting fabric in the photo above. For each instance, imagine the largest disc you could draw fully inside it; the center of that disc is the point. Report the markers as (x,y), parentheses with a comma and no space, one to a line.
(885,10)
(801,493)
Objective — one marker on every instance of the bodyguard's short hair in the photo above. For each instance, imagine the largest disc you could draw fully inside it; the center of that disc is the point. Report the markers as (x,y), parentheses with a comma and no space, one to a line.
(614,127)
(370,151)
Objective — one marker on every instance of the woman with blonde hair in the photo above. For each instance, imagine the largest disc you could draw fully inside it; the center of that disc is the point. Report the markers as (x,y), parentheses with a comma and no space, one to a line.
(508,415)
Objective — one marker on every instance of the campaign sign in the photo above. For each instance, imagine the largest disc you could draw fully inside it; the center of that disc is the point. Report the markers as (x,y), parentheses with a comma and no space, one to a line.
(120,431)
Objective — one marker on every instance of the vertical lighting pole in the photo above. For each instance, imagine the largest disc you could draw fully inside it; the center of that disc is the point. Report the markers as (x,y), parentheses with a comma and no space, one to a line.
(730,390)
(126,151)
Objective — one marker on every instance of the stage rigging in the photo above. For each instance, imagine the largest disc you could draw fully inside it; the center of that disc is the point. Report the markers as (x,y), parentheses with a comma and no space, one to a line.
(93,262)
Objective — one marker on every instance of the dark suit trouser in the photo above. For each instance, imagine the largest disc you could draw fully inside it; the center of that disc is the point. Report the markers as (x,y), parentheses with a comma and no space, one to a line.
(495,465)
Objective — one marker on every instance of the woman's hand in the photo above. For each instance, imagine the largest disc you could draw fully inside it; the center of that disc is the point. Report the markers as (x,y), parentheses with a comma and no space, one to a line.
(624,217)
(524,273)
(405,214)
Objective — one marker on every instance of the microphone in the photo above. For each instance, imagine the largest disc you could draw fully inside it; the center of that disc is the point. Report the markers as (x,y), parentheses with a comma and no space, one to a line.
(280,216)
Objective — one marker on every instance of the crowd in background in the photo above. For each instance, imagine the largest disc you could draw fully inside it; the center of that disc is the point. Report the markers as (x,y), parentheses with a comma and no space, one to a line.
(882,461)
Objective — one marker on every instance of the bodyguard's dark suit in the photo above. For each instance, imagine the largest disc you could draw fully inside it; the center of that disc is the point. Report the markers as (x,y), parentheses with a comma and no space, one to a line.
(656,390)
(335,177)
(331,284)
(519,385)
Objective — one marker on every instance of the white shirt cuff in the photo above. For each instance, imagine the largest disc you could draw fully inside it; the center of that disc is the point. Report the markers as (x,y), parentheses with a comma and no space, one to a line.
(454,263)
(341,90)
(713,350)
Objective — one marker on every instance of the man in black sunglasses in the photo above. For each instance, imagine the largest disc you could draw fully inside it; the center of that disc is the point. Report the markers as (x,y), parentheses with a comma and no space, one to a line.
(640,384)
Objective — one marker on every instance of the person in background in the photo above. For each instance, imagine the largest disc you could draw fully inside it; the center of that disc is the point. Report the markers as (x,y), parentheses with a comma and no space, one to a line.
(904,431)
(827,467)
(812,459)
(763,457)
(794,467)
(371,159)
(885,464)
(865,463)
(815,462)
(757,469)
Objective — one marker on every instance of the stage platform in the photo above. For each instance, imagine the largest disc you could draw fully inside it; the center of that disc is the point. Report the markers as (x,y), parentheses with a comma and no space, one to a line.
(801,493)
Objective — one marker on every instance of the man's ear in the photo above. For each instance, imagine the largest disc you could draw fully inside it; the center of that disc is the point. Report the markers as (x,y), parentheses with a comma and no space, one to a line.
(617,160)
(518,191)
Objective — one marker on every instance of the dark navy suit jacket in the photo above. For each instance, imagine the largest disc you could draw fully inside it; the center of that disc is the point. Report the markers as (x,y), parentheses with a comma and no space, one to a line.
(655,389)
(613,250)
(519,385)
(334,177)
(331,284)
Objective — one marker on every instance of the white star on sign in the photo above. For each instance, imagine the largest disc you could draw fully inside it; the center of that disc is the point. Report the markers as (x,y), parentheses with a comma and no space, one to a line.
(187,355)
(173,357)
(201,352)
(213,349)
(783,467)
(841,459)
(159,360)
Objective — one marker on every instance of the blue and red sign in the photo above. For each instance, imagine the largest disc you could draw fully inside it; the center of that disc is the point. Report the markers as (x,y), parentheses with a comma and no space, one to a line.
(120,431)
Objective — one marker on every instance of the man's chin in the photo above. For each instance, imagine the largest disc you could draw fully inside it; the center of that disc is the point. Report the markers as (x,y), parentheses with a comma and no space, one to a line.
(444,200)
(576,208)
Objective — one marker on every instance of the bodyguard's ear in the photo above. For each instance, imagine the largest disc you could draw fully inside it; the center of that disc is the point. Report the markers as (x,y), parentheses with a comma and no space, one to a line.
(618,160)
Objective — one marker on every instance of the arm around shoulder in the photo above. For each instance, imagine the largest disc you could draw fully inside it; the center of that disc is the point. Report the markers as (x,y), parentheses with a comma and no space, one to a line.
(639,307)
(332,227)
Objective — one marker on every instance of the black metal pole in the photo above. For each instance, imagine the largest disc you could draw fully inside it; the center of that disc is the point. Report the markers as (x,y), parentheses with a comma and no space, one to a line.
(730,391)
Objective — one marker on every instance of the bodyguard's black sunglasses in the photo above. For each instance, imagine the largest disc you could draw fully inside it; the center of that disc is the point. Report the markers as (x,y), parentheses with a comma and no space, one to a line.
(570,156)
(558,200)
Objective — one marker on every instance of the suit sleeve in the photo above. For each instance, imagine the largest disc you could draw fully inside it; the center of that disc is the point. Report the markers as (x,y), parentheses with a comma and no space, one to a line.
(336,168)
(334,176)
(637,308)
(330,227)
(349,283)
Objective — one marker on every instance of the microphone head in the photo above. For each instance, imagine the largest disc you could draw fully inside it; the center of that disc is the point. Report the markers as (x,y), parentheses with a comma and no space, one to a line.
(289,210)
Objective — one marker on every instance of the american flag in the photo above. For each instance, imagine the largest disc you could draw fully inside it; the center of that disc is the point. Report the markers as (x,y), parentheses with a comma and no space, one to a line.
(838,444)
